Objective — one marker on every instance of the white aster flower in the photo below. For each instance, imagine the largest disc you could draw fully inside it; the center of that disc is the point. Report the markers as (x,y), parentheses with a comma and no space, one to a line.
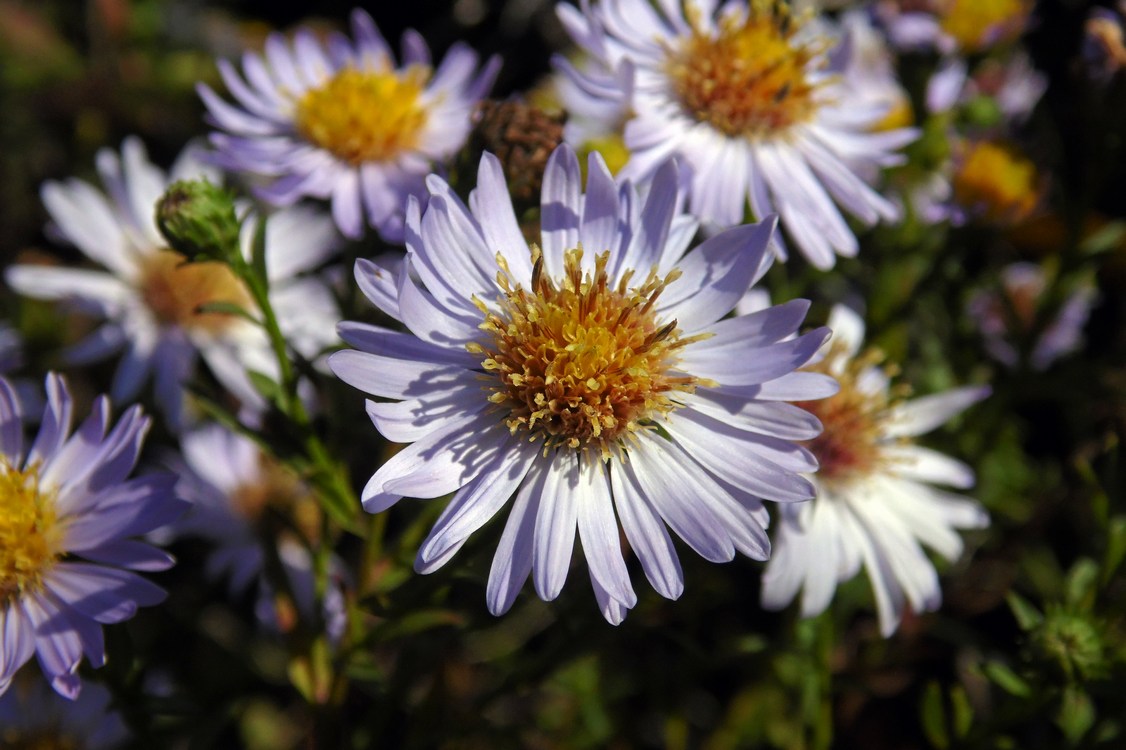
(342,121)
(148,296)
(875,505)
(744,96)
(240,499)
(591,380)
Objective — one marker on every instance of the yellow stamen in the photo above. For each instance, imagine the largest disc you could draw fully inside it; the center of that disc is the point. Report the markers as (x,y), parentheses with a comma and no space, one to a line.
(30,535)
(175,289)
(364,116)
(578,362)
(751,79)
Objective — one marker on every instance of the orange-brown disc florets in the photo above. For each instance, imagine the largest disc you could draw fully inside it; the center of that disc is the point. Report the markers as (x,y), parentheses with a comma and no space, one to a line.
(174,289)
(852,421)
(363,116)
(581,363)
(751,78)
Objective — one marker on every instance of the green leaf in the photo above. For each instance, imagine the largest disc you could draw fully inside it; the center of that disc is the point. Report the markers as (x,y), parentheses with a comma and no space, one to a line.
(963,711)
(221,307)
(1107,238)
(258,253)
(1076,714)
(1007,679)
(933,714)
(1027,616)
(266,386)
(1081,582)
(1115,547)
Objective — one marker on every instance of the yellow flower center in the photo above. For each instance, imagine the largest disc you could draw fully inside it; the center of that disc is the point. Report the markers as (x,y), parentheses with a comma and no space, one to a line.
(851,439)
(751,79)
(581,363)
(363,116)
(997,183)
(277,488)
(30,535)
(977,24)
(175,289)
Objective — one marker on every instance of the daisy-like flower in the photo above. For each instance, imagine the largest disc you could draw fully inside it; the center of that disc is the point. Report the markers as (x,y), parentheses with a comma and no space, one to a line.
(240,498)
(745,97)
(342,121)
(966,26)
(32,716)
(149,297)
(590,380)
(1007,316)
(875,505)
(67,515)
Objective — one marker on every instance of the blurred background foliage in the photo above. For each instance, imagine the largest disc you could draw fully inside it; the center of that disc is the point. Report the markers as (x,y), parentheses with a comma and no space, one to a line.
(1027,651)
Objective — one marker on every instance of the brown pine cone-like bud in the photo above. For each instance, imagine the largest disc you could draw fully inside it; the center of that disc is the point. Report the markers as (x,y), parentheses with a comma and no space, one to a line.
(522,136)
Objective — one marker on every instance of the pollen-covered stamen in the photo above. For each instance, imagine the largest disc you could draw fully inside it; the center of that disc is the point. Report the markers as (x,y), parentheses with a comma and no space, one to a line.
(363,116)
(175,289)
(751,78)
(852,421)
(30,535)
(579,362)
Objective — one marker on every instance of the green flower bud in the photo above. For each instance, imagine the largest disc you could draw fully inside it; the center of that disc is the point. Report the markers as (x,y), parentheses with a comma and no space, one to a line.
(198,220)
(1071,643)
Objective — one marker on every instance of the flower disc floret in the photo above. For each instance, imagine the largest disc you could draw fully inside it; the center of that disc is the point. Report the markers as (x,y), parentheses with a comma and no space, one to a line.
(852,437)
(582,363)
(29,532)
(749,78)
(362,116)
(175,290)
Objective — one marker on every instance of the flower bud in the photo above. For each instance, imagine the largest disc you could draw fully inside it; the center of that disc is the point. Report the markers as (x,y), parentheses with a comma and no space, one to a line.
(198,220)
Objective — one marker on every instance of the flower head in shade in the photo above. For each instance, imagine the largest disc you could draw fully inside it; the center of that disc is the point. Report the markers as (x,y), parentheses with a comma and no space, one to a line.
(68,512)
(1006,317)
(34,717)
(752,104)
(342,121)
(590,380)
(876,507)
(149,297)
(241,498)
(949,26)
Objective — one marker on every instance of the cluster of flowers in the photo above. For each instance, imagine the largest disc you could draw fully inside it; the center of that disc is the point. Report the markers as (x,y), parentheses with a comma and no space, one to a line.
(598,364)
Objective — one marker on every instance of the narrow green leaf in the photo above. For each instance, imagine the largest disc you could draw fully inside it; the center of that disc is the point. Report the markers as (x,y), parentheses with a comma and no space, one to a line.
(258,253)
(1007,679)
(1081,581)
(933,714)
(1076,714)
(962,710)
(221,307)
(1115,547)
(1027,616)
(266,386)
